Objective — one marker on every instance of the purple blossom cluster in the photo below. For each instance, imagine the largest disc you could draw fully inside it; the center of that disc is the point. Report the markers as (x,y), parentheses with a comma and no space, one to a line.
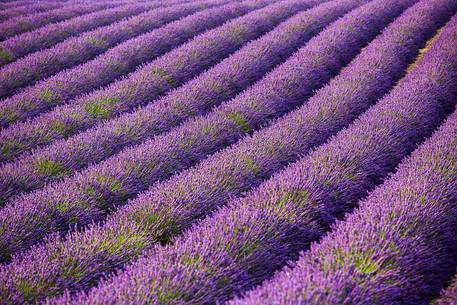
(209,89)
(48,36)
(249,239)
(103,70)
(78,50)
(91,194)
(151,80)
(27,9)
(13,5)
(233,152)
(399,246)
(161,213)
(23,24)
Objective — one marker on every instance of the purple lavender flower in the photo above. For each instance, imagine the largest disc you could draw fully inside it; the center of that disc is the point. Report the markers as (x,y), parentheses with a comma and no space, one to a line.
(91,194)
(23,24)
(209,89)
(245,242)
(78,50)
(111,65)
(163,212)
(48,36)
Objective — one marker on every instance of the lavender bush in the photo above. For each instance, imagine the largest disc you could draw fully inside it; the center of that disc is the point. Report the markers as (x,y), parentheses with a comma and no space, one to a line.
(115,63)
(217,85)
(23,24)
(245,242)
(93,193)
(48,36)
(132,229)
(78,50)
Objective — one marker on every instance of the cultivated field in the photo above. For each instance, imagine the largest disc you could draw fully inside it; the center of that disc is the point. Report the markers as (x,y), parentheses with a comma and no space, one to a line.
(233,152)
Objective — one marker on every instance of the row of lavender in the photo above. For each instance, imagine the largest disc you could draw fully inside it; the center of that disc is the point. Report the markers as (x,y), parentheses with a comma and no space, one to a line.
(104,69)
(154,80)
(92,193)
(161,213)
(398,249)
(27,9)
(26,23)
(147,171)
(156,217)
(47,36)
(399,246)
(79,49)
(218,84)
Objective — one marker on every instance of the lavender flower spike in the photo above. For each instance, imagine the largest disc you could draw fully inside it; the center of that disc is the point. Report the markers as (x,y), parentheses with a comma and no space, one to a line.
(91,194)
(74,265)
(245,242)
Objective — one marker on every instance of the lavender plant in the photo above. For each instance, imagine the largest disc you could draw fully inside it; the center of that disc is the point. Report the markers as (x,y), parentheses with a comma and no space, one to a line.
(245,242)
(217,85)
(48,36)
(177,203)
(396,248)
(448,295)
(118,61)
(78,50)
(154,79)
(23,24)
(93,193)
(28,9)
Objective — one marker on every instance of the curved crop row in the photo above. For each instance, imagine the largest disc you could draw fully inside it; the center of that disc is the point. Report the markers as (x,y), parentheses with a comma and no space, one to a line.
(28,9)
(23,24)
(399,247)
(246,241)
(78,50)
(89,195)
(212,183)
(102,71)
(16,4)
(145,84)
(46,37)
(209,89)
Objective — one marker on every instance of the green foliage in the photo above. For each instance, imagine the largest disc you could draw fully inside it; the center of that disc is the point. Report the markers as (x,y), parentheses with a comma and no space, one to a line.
(296,197)
(6,56)
(164,75)
(51,168)
(48,96)
(6,150)
(240,121)
(101,108)
(251,164)
(97,42)
(9,115)
(72,268)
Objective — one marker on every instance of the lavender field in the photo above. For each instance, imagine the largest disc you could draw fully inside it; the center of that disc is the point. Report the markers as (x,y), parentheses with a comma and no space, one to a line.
(239,152)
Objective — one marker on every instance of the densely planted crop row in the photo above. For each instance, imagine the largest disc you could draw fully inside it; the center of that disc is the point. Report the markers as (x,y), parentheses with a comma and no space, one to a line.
(29,9)
(78,50)
(245,242)
(46,37)
(143,86)
(217,85)
(399,247)
(282,43)
(103,70)
(23,24)
(91,194)
(128,232)
(15,4)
